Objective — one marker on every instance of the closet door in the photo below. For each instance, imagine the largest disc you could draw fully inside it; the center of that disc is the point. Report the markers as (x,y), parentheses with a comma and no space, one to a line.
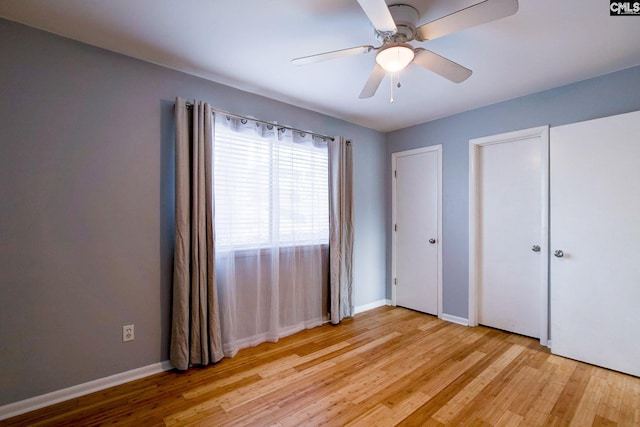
(510,230)
(595,242)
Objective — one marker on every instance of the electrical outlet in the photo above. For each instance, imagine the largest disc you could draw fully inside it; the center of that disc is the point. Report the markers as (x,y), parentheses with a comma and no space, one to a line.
(127,333)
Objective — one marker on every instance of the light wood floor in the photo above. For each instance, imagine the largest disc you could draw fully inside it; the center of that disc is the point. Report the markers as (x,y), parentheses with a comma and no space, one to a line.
(388,366)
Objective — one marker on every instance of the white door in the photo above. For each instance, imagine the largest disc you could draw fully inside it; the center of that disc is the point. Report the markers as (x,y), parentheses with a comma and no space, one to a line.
(417,229)
(595,222)
(511,249)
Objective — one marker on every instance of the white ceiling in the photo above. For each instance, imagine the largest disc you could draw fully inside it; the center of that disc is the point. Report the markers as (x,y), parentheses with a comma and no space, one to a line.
(248,44)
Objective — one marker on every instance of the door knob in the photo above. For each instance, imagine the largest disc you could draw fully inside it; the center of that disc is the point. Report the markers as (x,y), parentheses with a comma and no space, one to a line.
(558,253)
(432,241)
(535,248)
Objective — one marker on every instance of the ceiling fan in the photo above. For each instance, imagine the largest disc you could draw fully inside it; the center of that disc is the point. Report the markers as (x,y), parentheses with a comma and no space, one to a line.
(395,27)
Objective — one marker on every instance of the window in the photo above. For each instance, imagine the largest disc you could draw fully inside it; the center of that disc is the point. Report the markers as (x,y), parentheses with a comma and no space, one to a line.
(271,186)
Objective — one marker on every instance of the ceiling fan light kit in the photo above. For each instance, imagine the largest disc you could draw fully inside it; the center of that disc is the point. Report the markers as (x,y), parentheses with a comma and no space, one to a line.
(395,58)
(396,26)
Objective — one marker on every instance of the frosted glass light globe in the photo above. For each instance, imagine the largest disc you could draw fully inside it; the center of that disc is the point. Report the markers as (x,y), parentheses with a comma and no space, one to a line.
(395,58)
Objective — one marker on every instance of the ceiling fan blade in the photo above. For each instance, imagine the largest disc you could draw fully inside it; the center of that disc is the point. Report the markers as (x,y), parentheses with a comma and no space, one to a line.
(332,55)
(481,13)
(441,66)
(379,15)
(375,78)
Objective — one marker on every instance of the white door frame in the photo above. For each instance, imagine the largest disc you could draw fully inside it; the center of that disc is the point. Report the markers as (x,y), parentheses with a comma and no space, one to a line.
(541,132)
(394,157)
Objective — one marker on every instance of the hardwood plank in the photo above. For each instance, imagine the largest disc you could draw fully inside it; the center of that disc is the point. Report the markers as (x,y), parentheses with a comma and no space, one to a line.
(493,345)
(554,376)
(509,419)
(382,415)
(386,367)
(461,400)
(564,409)
(589,402)
(630,407)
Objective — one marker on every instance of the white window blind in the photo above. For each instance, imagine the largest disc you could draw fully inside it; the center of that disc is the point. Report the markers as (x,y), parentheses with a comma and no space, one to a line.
(271,187)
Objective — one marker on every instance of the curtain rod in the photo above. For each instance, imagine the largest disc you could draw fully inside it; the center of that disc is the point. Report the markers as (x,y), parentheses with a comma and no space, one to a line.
(264,122)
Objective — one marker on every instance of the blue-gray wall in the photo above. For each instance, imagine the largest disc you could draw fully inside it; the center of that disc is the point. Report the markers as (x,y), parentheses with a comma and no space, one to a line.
(86,211)
(607,95)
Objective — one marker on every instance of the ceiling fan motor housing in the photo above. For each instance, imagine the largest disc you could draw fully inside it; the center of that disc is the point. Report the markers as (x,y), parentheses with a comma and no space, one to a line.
(406,17)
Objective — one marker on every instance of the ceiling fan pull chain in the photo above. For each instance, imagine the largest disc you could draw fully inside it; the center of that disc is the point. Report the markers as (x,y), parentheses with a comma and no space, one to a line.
(391,86)
(398,84)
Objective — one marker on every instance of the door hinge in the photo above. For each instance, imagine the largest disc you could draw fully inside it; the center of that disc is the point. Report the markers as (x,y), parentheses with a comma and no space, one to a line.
(395,281)
(395,227)
(395,173)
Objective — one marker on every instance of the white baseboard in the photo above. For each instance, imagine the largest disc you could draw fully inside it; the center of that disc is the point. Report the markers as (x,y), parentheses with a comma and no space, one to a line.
(31,404)
(455,319)
(371,306)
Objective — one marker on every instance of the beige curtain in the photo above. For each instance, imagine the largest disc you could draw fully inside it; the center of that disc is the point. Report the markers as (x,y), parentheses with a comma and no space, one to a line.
(195,328)
(340,230)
